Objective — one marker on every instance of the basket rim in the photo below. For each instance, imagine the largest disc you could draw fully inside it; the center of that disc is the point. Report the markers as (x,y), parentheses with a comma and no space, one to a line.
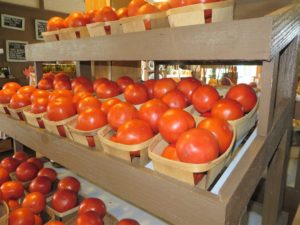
(36,115)
(157,15)
(72,129)
(18,109)
(57,123)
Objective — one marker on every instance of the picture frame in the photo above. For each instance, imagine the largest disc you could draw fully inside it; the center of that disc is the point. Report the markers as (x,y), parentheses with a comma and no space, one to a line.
(13,22)
(40,27)
(15,51)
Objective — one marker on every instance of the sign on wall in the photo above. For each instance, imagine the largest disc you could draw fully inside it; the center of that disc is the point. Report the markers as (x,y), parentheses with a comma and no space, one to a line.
(15,51)
(40,27)
(12,22)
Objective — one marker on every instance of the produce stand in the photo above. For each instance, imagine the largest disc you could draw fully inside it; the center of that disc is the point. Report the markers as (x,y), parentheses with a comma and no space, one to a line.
(270,41)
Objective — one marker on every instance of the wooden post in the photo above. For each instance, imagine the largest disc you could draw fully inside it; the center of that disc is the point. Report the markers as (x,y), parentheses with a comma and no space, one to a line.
(84,68)
(38,68)
(18,146)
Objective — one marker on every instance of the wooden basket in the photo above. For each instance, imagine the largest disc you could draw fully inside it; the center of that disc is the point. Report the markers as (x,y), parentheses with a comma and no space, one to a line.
(4,109)
(195,14)
(18,114)
(4,213)
(108,220)
(73,33)
(13,177)
(58,127)
(49,195)
(185,171)
(104,28)
(51,36)
(122,151)
(120,96)
(145,22)
(34,119)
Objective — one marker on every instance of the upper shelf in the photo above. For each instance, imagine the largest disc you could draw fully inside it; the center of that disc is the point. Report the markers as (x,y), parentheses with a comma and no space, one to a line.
(248,39)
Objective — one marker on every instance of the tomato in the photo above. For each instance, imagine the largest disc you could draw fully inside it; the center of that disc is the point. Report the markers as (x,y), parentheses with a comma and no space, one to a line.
(10,164)
(26,171)
(187,86)
(54,223)
(35,201)
(76,19)
(12,86)
(151,111)
(55,23)
(12,190)
(128,221)
(26,90)
(60,109)
(13,204)
(69,183)
(227,109)
(221,129)
(91,119)
(79,96)
(93,204)
(108,104)
(61,77)
(197,145)
(80,80)
(244,94)
(21,216)
(108,14)
(21,156)
(4,175)
(60,94)
(120,113)
(87,87)
(41,184)
(38,220)
(37,162)
(6,95)
(204,97)
(39,105)
(90,15)
(150,87)
(49,173)
(147,9)
(19,100)
(134,6)
(163,6)
(88,103)
(62,85)
(108,89)
(163,86)
(122,12)
(50,75)
(136,93)
(178,3)
(89,218)
(99,81)
(124,81)
(175,99)
(64,200)
(173,123)
(39,94)
(170,153)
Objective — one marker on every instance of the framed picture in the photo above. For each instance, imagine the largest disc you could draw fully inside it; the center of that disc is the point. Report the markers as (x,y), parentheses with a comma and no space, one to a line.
(12,22)
(15,51)
(40,27)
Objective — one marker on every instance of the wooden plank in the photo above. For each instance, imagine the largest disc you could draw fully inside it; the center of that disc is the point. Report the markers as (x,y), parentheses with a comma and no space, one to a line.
(38,68)
(84,68)
(296,220)
(166,198)
(18,146)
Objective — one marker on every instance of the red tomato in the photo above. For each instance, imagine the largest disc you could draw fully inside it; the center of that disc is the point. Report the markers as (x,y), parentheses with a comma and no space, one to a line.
(99,81)
(6,95)
(163,6)
(187,86)
(49,173)
(88,87)
(136,93)
(21,216)
(79,96)
(38,220)
(151,111)
(12,86)
(49,75)
(26,171)
(62,85)
(124,81)
(12,190)
(89,218)
(93,204)
(244,94)
(221,129)
(54,223)
(88,103)
(108,14)
(39,105)
(60,109)
(13,204)
(134,132)
(91,119)
(173,123)
(76,19)
(147,9)
(227,109)
(120,113)
(108,104)
(90,15)
(10,164)
(163,86)
(178,3)
(69,183)
(45,84)
(170,153)
(21,156)
(60,94)
(122,12)
(128,221)
(197,145)
(19,100)
(35,201)
(55,23)
(204,97)
(41,184)
(175,99)
(80,80)
(26,90)
(37,162)
(108,89)
(134,6)
(64,200)
(61,77)
(39,94)
(150,87)
(4,175)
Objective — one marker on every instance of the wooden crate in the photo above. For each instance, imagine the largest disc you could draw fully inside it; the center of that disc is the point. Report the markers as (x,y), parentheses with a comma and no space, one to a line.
(51,36)
(104,28)
(73,33)
(3,108)
(108,220)
(18,114)
(59,128)
(195,14)
(4,213)
(34,119)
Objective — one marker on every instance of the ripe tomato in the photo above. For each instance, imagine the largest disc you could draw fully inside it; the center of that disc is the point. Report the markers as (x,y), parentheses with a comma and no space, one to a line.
(87,87)
(38,220)
(108,89)
(170,152)
(134,6)
(60,109)
(10,164)
(19,100)
(21,216)
(50,75)
(150,87)
(69,183)
(91,119)
(128,221)
(108,14)
(163,86)
(54,223)
(55,23)
(163,6)
(12,190)
(89,218)
(12,86)
(151,111)
(39,105)
(93,204)
(178,3)
(227,109)
(21,156)
(61,77)
(99,81)
(244,94)
(173,123)
(26,171)
(37,162)
(124,81)
(13,204)
(76,19)
(90,15)
(147,9)
(49,173)
(204,97)
(64,200)
(108,104)
(122,12)
(88,103)
(60,94)
(79,96)
(62,85)
(39,94)
(120,113)
(35,201)
(187,86)
(134,132)
(6,95)
(80,80)
(197,145)
(40,184)
(136,93)
(175,99)
(4,175)
(26,90)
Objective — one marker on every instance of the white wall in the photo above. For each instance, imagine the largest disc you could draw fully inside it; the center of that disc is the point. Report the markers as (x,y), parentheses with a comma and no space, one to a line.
(65,6)
(29,3)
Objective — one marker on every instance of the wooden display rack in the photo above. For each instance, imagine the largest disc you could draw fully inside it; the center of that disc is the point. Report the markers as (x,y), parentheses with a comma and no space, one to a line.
(270,41)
